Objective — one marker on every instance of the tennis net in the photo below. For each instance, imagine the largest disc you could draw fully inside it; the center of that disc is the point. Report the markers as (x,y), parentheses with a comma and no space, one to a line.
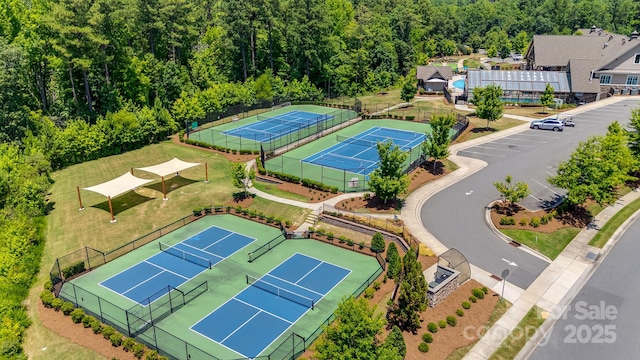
(184,255)
(281,292)
(356,141)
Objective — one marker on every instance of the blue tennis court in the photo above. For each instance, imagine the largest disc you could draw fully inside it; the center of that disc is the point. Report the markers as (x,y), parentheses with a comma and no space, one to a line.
(278,125)
(145,281)
(359,154)
(253,319)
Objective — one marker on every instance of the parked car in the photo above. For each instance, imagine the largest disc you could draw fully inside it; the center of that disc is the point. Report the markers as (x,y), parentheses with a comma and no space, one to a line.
(547,124)
(516,57)
(567,120)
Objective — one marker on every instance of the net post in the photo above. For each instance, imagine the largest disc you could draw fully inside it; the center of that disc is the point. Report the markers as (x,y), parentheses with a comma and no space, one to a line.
(247,277)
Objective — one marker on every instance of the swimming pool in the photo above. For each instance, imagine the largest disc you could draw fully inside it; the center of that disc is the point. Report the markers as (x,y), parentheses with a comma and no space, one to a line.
(459,84)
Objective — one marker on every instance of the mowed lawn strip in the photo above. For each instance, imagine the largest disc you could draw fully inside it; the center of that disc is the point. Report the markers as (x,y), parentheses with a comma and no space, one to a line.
(606,231)
(548,244)
(512,345)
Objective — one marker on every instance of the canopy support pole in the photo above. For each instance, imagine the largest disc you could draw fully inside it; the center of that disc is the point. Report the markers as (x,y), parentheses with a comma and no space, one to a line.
(206,173)
(164,193)
(79,198)
(113,218)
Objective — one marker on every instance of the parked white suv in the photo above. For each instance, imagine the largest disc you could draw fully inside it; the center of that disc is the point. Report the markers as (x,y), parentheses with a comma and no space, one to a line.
(547,124)
(516,56)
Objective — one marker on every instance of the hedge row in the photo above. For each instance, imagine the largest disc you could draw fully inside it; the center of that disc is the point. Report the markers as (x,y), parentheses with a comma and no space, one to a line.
(78,316)
(219,148)
(319,186)
(387,116)
(75,268)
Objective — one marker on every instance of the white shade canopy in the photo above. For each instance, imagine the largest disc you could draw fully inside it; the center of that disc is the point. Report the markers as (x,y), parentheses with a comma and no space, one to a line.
(119,185)
(172,166)
(436,80)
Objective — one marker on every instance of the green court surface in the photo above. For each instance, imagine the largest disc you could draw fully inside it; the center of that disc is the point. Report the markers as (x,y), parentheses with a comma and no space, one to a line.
(279,138)
(172,333)
(345,180)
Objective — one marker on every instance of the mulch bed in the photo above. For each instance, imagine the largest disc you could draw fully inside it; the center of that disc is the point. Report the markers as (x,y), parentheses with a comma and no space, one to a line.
(579,218)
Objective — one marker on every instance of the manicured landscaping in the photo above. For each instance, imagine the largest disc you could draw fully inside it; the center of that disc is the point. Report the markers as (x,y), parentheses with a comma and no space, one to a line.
(606,231)
(512,345)
(548,244)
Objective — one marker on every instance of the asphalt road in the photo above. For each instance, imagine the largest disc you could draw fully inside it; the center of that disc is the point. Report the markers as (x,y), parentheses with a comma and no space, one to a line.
(601,322)
(455,215)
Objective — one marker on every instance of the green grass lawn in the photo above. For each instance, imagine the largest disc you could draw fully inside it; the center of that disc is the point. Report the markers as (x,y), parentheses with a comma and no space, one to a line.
(373,101)
(273,190)
(479,127)
(606,231)
(550,244)
(512,345)
(424,109)
(138,212)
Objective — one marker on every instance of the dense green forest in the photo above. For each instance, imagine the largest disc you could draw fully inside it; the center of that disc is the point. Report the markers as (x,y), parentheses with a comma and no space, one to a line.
(83,79)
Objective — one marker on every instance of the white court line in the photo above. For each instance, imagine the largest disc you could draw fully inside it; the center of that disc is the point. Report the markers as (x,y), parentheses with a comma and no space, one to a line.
(140,283)
(267,312)
(305,275)
(165,269)
(332,149)
(293,283)
(196,248)
(241,325)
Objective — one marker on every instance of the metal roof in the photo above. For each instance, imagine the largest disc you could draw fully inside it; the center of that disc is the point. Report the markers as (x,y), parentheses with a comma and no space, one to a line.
(516,80)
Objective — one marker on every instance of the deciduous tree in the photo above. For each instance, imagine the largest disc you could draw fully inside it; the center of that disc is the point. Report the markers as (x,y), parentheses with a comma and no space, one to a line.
(242,177)
(512,192)
(436,144)
(488,104)
(546,99)
(388,180)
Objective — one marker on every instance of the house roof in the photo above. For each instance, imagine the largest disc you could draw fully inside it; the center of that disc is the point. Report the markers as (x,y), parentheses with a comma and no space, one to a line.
(516,80)
(581,77)
(557,50)
(427,72)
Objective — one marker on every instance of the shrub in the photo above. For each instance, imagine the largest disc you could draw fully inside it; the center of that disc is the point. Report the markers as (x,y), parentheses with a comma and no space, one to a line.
(197,211)
(423,347)
(507,221)
(128,344)
(544,220)
(87,321)
(162,357)
(410,118)
(47,298)
(460,312)
(432,327)
(473,299)
(477,292)
(77,315)
(107,331)
(368,293)
(116,339)
(75,268)
(442,324)
(66,307)
(366,196)
(376,285)
(427,337)
(377,243)
(535,222)
(330,235)
(48,285)
(361,245)
(451,320)
(138,350)
(56,304)
(151,355)
(485,290)
(96,326)
(287,223)
(523,222)
(466,305)
(342,239)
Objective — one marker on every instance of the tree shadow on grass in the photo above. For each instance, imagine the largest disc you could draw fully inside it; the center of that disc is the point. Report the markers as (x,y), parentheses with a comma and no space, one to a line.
(123,202)
(483,130)
(171,184)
